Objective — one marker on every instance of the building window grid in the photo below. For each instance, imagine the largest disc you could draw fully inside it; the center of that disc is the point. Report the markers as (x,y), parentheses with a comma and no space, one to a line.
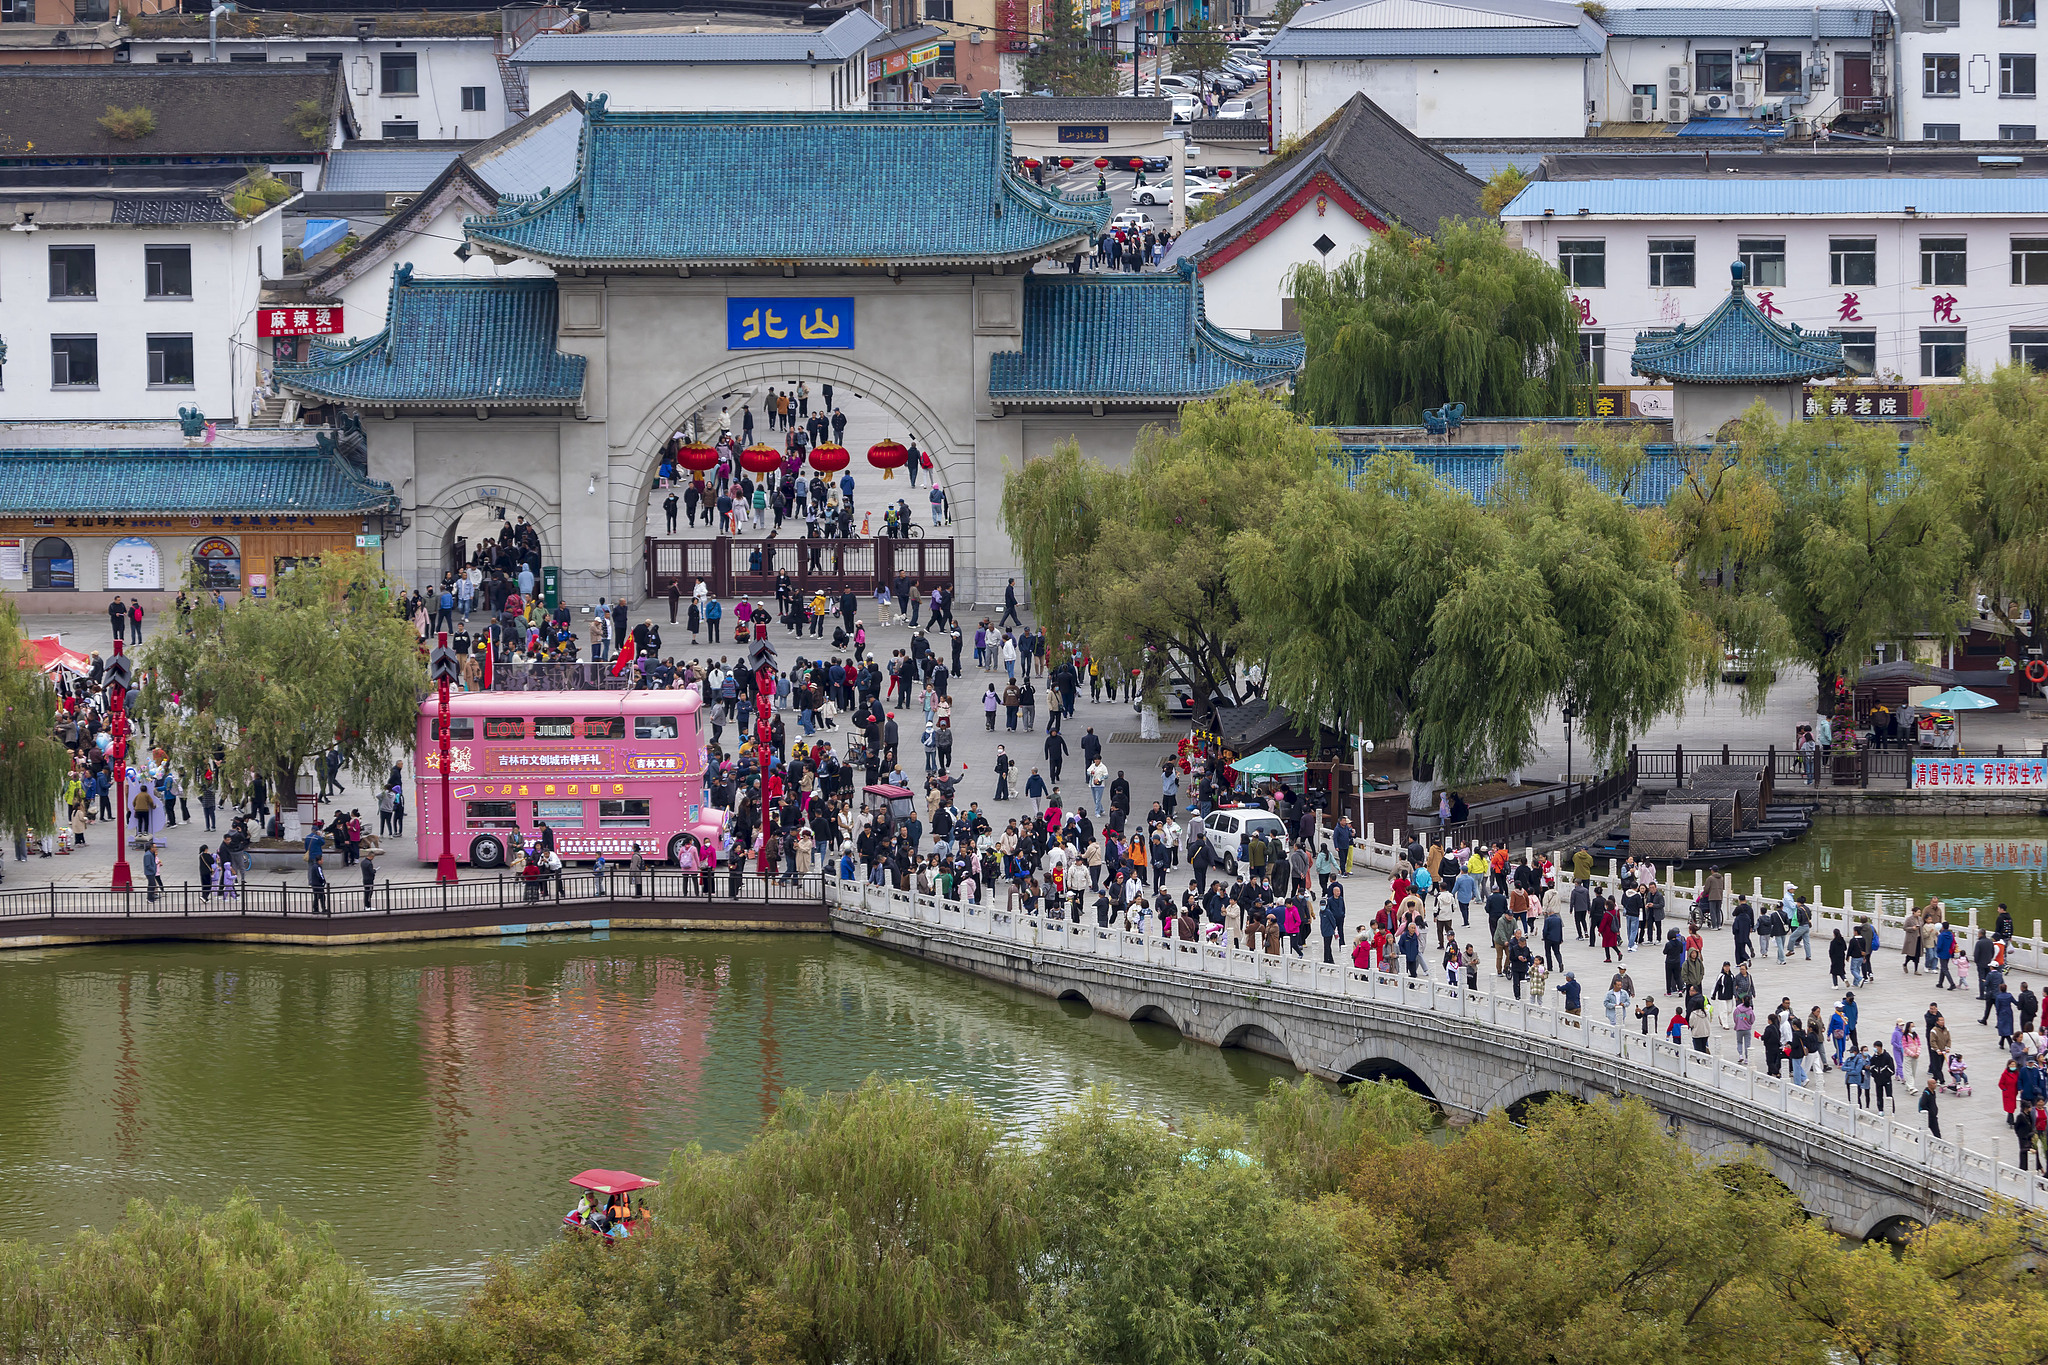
(399,73)
(73,273)
(1671,262)
(1593,357)
(170,361)
(1941,75)
(2030,347)
(1944,260)
(475,99)
(2030,260)
(2016,13)
(2016,132)
(1852,260)
(1941,13)
(1941,132)
(2016,75)
(74,362)
(1763,260)
(167,272)
(1859,353)
(1584,263)
(1943,352)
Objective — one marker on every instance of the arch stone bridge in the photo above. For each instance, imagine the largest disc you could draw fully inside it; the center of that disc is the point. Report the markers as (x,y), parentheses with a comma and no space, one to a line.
(1470,1051)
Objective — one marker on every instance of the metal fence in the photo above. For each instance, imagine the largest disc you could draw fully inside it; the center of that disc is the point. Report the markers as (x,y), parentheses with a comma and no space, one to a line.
(665,888)
(1836,768)
(736,566)
(1540,819)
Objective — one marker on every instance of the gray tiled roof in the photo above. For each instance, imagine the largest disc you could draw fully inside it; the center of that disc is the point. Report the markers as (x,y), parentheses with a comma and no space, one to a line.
(227,109)
(535,154)
(845,38)
(53,483)
(381,169)
(1087,109)
(1230,130)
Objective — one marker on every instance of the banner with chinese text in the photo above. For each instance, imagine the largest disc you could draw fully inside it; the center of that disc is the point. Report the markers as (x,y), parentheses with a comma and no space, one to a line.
(1981,774)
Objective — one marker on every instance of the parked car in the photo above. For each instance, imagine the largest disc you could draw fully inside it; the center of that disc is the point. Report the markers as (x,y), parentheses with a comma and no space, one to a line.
(1163,193)
(1132,220)
(1197,197)
(1185,107)
(1235,109)
(1229,831)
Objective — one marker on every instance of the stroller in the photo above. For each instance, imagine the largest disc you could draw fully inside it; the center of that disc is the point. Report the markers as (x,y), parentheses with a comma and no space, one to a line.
(1958,1074)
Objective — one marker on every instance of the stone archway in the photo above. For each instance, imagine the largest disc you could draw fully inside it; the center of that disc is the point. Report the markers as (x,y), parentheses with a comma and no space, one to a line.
(434,523)
(634,461)
(1390,1059)
(1258,1033)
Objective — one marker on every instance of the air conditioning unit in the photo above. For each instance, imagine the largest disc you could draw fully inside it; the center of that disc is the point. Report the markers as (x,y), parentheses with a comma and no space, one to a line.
(1678,79)
(1748,92)
(1677,109)
(1642,109)
(1714,104)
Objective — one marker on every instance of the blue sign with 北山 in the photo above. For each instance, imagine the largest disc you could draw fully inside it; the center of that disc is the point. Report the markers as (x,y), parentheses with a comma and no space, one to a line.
(789,324)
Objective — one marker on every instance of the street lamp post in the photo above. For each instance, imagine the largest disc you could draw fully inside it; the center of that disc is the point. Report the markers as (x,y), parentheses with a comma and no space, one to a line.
(1571,709)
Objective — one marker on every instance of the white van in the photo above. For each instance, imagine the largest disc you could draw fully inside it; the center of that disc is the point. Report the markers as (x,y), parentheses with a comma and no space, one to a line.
(1230,829)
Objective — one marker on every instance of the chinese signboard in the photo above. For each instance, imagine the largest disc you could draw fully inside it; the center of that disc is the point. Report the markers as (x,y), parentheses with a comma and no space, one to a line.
(789,324)
(1981,774)
(1623,401)
(924,56)
(1845,400)
(298,322)
(1086,134)
(1980,855)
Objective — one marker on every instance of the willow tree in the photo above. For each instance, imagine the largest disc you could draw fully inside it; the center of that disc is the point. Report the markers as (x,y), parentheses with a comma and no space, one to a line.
(32,763)
(1131,562)
(263,686)
(1415,322)
(1994,430)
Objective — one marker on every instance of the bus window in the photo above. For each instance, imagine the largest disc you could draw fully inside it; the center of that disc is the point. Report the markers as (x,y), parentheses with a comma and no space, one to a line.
(459,727)
(554,727)
(504,727)
(493,815)
(604,727)
(625,814)
(655,727)
(560,814)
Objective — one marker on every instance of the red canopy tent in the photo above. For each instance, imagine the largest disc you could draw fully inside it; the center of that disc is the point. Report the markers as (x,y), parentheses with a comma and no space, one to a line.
(51,655)
(612,1182)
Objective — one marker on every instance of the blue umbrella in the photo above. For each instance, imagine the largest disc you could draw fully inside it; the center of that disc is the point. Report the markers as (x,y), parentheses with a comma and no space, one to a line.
(1959,699)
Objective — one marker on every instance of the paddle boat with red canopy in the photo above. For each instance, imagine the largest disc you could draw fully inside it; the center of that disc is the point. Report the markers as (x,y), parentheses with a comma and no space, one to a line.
(613,1214)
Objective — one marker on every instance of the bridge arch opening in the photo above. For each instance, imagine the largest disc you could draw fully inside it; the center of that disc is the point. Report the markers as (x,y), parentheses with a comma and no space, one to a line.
(1522,1110)
(1387,1069)
(1260,1039)
(1075,1005)
(1895,1231)
(1153,1014)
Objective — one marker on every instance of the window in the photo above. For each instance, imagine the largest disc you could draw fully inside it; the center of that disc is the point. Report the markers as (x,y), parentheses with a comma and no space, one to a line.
(173,58)
(219,564)
(504,727)
(2030,348)
(2016,75)
(295,179)
(943,69)
(1859,353)
(1593,357)
(1782,73)
(2015,132)
(493,814)
(74,362)
(1671,263)
(604,727)
(459,727)
(629,813)
(1941,132)
(1941,74)
(1852,260)
(474,99)
(71,273)
(1713,72)
(167,272)
(401,132)
(562,814)
(554,727)
(938,11)
(1583,263)
(401,74)
(1763,259)
(2016,13)
(2030,260)
(1941,12)
(170,362)
(1944,260)
(51,567)
(1942,352)
(655,727)
(331,60)
(246,57)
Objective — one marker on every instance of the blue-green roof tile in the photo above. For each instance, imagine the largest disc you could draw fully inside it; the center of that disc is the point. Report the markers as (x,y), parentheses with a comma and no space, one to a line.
(1129,338)
(462,342)
(1737,344)
(206,480)
(833,188)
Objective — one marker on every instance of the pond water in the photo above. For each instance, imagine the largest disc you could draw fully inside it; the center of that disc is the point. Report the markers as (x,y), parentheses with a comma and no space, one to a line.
(1886,859)
(431,1100)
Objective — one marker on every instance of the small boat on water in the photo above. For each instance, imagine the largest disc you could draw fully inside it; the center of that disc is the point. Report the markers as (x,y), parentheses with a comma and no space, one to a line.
(611,1214)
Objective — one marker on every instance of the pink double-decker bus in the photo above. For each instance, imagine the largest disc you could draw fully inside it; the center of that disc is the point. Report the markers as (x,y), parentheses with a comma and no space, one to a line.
(603,770)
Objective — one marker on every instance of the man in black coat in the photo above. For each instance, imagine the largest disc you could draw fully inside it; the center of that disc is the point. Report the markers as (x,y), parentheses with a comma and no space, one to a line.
(1055,753)
(1009,606)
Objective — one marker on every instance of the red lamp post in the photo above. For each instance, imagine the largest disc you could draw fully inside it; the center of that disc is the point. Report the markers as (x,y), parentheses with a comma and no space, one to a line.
(124,878)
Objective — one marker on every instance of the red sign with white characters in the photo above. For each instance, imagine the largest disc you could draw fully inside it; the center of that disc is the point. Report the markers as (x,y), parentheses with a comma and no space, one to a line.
(299,322)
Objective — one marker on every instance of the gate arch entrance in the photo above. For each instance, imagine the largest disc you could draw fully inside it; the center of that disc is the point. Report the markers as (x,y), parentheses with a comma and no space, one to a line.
(473,507)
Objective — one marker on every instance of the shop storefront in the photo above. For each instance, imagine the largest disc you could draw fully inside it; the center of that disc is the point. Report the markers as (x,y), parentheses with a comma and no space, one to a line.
(901,64)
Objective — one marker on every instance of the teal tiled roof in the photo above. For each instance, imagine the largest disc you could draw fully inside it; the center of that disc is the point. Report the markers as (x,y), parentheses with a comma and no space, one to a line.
(49,483)
(462,342)
(1128,338)
(1737,344)
(829,188)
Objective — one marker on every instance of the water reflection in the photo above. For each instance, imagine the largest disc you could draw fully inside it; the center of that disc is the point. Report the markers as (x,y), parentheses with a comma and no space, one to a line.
(1893,862)
(429,1100)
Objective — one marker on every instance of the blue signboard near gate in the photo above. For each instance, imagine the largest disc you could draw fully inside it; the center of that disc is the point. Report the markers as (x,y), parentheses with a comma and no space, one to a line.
(789,324)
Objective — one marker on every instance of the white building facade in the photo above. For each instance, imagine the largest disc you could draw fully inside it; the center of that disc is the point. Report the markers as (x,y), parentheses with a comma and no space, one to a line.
(1969,70)
(1922,277)
(129,307)
(821,69)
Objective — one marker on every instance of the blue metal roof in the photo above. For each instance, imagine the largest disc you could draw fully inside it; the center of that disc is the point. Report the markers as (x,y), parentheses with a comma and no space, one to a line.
(1118,337)
(1736,344)
(1476,470)
(460,343)
(1730,127)
(715,189)
(47,483)
(1800,198)
(843,39)
(1313,43)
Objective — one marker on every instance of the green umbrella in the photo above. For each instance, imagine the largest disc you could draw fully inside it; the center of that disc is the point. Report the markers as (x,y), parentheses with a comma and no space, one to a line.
(1959,699)
(1270,762)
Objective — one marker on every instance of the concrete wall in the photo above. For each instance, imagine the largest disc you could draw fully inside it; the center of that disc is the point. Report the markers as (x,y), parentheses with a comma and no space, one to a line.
(1633,62)
(1246,293)
(1440,97)
(1977,42)
(721,85)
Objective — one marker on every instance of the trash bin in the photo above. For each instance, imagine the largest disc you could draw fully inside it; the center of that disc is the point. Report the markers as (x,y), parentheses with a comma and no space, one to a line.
(551,586)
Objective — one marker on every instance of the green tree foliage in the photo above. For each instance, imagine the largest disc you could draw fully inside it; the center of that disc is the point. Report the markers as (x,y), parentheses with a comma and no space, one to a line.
(1817,541)
(1064,61)
(271,683)
(1995,431)
(177,1286)
(1199,48)
(32,763)
(1500,191)
(1131,562)
(1414,322)
(1286,10)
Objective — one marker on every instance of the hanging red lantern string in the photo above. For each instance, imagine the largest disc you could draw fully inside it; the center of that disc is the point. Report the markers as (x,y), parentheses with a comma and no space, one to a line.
(1137,163)
(830,459)
(888,456)
(1066,163)
(760,459)
(1225,173)
(1031,163)
(1101,163)
(697,457)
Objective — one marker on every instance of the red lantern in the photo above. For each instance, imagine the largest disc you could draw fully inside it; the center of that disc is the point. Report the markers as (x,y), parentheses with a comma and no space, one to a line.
(1101,163)
(696,457)
(829,459)
(760,459)
(1066,163)
(1137,163)
(888,456)
(1031,163)
(1225,173)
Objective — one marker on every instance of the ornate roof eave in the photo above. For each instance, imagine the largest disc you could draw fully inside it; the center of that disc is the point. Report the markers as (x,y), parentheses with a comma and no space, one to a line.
(502,251)
(1677,353)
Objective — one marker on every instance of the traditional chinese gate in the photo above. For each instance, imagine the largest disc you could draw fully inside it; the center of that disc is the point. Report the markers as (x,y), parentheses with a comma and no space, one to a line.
(733,566)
